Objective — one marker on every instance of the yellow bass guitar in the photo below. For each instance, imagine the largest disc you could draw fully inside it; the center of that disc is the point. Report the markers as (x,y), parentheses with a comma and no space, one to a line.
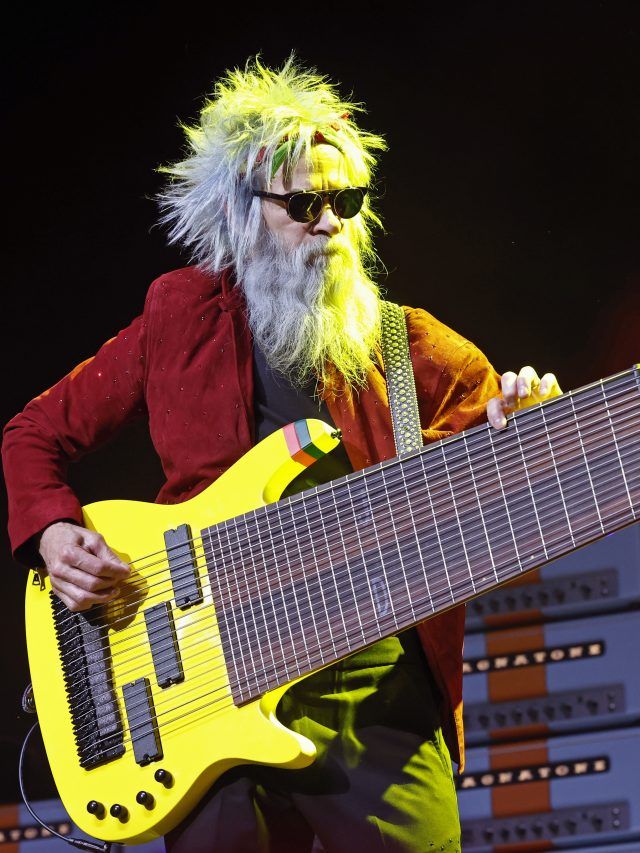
(235,594)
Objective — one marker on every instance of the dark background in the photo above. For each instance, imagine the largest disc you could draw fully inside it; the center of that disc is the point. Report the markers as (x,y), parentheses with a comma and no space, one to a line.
(509,193)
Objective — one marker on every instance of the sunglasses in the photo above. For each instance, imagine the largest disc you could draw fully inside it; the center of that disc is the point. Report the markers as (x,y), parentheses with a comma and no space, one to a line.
(306,205)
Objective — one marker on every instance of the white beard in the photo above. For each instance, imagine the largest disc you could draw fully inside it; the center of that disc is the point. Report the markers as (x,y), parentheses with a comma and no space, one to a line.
(312,307)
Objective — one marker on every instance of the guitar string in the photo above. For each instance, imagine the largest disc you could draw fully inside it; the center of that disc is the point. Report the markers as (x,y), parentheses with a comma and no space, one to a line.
(267,564)
(581,394)
(460,495)
(184,649)
(134,725)
(506,459)
(347,650)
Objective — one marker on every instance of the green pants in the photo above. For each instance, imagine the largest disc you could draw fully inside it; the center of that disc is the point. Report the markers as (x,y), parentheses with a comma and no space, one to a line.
(382,780)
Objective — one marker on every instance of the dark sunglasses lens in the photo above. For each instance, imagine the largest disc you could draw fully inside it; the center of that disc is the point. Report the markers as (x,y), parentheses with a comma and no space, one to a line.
(348,202)
(305,207)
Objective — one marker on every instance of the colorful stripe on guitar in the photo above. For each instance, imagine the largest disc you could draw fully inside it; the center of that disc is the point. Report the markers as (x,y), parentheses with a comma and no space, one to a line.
(301,446)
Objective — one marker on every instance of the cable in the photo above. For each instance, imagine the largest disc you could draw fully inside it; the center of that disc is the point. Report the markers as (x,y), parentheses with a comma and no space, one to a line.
(80,843)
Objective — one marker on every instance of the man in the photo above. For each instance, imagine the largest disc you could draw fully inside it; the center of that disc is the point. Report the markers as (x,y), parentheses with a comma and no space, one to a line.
(278,320)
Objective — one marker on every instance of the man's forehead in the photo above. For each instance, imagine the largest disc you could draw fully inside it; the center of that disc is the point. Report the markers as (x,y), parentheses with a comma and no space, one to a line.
(327,165)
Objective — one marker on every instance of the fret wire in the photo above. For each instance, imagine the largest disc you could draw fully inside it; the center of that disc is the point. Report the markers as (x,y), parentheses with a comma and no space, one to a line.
(244,613)
(222,619)
(529,486)
(417,540)
(398,472)
(575,467)
(443,456)
(357,515)
(613,435)
(316,563)
(271,625)
(479,502)
(293,592)
(332,570)
(584,451)
(429,498)
(504,497)
(386,506)
(312,609)
(231,610)
(340,527)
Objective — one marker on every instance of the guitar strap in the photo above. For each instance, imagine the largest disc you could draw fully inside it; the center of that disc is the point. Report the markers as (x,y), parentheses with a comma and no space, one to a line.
(401,385)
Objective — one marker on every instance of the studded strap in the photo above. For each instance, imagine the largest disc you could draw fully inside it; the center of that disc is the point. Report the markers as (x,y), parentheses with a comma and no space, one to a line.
(401,385)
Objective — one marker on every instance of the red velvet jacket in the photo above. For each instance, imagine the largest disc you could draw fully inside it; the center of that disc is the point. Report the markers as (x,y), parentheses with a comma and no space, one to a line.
(186,364)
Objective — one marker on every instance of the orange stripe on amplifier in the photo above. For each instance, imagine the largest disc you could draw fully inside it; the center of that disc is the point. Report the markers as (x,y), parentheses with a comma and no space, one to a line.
(524,798)
(516,683)
(10,819)
(524,847)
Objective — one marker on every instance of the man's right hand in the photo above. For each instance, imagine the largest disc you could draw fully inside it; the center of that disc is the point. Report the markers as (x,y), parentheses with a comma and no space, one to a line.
(83,569)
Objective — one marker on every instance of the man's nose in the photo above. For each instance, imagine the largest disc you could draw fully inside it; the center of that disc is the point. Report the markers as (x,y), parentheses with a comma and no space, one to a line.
(327,223)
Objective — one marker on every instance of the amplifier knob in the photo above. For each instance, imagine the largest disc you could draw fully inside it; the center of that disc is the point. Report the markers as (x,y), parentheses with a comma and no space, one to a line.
(95,808)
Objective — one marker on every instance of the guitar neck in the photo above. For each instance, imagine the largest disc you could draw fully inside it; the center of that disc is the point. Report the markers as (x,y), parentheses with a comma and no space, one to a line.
(308,580)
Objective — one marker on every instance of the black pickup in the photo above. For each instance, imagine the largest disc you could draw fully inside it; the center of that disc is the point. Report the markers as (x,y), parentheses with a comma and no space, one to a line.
(182,567)
(143,724)
(161,631)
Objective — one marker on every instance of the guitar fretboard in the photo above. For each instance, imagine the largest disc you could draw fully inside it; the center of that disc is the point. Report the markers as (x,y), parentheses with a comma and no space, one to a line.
(313,578)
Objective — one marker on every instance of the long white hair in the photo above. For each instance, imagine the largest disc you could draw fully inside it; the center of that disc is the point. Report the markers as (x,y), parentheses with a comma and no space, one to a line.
(209,204)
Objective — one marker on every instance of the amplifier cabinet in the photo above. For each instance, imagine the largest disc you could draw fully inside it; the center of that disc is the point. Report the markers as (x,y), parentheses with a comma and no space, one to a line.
(551,678)
(599,577)
(567,792)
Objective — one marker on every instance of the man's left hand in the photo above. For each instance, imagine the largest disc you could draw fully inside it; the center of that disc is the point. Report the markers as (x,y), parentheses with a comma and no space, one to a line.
(518,392)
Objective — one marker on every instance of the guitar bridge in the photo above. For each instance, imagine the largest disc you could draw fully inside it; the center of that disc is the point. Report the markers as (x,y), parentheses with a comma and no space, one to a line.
(84,651)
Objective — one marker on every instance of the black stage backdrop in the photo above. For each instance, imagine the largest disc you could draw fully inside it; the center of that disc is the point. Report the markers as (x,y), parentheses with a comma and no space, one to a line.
(509,193)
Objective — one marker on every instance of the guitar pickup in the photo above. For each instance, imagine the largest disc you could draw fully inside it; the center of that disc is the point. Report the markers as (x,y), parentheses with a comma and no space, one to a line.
(187,590)
(142,719)
(163,641)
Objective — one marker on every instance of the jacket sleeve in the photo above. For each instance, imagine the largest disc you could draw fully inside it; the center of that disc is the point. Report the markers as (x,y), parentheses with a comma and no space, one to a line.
(75,416)
(454,379)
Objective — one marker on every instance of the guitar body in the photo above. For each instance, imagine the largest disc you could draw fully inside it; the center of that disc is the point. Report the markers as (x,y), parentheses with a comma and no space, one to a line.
(202,732)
